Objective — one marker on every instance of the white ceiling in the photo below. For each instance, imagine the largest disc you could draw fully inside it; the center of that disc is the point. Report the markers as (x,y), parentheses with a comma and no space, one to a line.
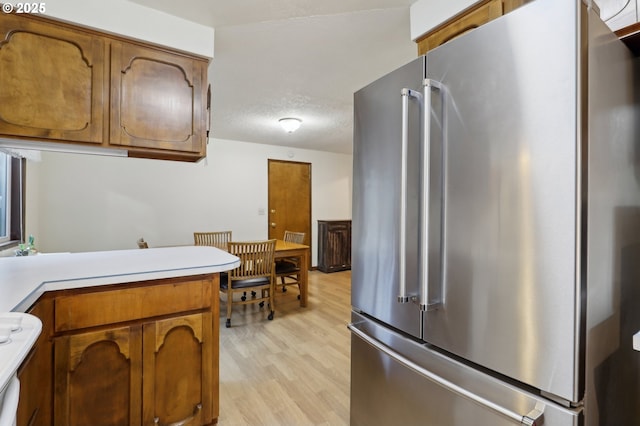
(296,58)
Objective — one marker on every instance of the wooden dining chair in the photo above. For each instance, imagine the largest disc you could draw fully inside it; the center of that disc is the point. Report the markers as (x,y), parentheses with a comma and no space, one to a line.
(214,239)
(142,244)
(256,273)
(288,269)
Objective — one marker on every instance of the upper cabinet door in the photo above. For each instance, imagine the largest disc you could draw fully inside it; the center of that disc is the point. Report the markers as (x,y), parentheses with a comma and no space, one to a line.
(157,99)
(52,81)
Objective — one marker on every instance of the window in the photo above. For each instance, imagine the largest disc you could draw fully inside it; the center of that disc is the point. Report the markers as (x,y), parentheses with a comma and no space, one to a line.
(11,199)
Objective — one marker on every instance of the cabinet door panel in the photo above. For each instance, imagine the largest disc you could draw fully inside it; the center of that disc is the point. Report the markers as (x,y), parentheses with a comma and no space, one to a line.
(52,81)
(157,99)
(334,245)
(510,5)
(177,371)
(97,378)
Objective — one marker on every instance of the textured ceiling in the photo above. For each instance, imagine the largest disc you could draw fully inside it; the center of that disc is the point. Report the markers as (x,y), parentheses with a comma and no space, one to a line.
(295,58)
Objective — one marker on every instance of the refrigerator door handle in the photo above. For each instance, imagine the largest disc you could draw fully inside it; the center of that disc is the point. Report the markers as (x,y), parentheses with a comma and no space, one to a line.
(406,94)
(534,418)
(425,302)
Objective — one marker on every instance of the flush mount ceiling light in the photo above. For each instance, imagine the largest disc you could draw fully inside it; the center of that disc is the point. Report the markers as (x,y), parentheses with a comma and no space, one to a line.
(289,124)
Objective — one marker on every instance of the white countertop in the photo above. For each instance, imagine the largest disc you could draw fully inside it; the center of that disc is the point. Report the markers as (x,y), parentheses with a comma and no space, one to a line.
(24,279)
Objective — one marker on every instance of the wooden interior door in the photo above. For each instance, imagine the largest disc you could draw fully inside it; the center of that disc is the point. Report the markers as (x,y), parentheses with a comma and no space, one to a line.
(289,198)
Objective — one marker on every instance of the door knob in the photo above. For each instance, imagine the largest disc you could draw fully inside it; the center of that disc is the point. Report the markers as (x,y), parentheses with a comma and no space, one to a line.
(273,224)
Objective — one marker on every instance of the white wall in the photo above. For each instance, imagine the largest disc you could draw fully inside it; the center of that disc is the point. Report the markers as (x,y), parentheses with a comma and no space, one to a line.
(84,203)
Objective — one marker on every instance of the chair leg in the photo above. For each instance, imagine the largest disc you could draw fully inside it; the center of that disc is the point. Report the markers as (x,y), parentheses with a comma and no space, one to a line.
(272,299)
(229,306)
(244,295)
(263,294)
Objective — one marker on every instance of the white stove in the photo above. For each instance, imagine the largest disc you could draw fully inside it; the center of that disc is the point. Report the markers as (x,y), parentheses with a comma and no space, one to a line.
(18,333)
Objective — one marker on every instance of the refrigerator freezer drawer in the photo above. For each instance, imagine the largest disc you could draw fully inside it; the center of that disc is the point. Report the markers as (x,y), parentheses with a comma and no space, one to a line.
(395,380)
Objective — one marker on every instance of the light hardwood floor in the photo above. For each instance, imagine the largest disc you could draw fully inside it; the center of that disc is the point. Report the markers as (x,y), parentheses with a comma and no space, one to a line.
(293,370)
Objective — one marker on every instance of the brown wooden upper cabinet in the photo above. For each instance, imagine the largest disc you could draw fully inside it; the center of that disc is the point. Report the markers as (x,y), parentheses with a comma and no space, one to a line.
(157,99)
(61,83)
(468,20)
(52,83)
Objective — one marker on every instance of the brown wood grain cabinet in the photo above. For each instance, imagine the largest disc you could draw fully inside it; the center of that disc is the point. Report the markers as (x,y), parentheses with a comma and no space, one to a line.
(334,245)
(98,377)
(63,83)
(177,371)
(468,20)
(52,83)
(158,100)
(141,353)
(36,372)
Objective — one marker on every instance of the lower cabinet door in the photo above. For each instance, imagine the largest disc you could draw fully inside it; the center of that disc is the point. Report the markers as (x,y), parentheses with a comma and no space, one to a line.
(98,378)
(177,371)
(155,373)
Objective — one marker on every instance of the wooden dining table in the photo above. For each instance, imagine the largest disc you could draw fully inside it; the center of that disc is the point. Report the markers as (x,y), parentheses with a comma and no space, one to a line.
(286,249)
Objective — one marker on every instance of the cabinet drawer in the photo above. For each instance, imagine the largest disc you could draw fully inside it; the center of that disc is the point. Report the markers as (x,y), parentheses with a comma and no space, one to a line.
(90,309)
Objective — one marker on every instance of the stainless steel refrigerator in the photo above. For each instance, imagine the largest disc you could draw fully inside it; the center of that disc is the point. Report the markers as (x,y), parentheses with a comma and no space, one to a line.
(496,229)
